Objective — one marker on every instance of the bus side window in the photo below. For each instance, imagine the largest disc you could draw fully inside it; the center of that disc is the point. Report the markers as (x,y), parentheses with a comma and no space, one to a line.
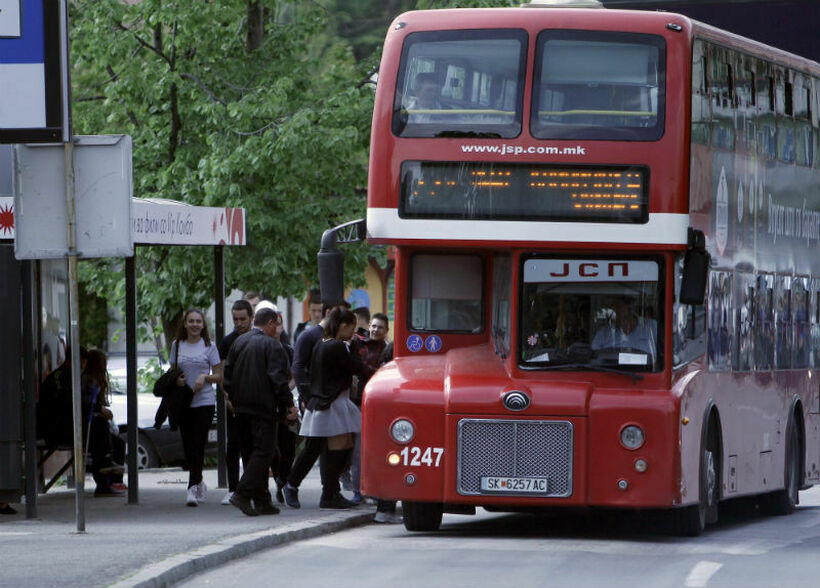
(763,323)
(815,322)
(783,324)
(800,320)
(744,311)
(720,332)
(688,325)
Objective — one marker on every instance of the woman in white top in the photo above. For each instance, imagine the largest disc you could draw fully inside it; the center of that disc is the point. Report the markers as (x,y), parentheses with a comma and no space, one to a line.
(195,354)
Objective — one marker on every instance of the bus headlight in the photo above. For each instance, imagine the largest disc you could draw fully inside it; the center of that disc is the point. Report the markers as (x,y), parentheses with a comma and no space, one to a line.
(632,437)
(402,431)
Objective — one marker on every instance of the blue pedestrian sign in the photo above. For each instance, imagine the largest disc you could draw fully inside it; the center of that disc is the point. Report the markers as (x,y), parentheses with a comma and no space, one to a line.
(432,344)
(415,343)
(33,55)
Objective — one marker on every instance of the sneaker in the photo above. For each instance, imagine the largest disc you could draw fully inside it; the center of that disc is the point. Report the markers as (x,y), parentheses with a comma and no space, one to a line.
(266,508)
(201,488)
(357,498)
(191,499)
(388,518)
(119,486)
(244,504)
(226,500)
(335,502)
(107,492)
(291,496)
(280,498)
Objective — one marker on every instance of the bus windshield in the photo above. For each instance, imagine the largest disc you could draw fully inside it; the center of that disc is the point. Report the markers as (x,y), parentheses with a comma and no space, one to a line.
(461,84)
(590,313)
(599,85)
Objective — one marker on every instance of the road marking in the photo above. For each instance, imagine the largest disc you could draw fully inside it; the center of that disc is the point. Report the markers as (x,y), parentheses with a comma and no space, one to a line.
(700,574)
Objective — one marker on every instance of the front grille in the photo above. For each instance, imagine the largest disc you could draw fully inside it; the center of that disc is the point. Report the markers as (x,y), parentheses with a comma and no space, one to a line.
(515,448)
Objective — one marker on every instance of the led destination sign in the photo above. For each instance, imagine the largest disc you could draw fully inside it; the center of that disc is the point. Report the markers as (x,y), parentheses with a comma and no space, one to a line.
(480,190)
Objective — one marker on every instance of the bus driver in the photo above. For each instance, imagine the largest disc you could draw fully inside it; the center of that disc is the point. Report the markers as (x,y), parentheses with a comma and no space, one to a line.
(628,330)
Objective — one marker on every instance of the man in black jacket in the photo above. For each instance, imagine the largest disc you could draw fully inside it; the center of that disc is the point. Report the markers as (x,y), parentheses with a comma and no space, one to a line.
(256,375)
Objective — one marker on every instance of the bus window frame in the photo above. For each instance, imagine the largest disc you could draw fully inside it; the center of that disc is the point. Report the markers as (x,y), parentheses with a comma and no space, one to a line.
(625,134)
(483,292)
(660,360)
(398,127)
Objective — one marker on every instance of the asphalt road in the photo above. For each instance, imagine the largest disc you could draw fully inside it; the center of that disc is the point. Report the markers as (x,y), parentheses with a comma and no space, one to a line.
(561,549)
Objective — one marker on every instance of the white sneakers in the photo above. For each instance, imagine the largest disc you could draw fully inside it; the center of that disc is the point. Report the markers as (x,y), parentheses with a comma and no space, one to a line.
(389,518)
(191,500)
(201,488)
(226,500)
(196,494)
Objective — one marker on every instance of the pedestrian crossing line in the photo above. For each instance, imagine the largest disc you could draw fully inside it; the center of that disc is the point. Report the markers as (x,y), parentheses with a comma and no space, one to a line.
(700,574)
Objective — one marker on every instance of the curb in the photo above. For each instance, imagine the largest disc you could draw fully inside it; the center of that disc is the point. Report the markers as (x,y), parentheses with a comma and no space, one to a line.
(179,567)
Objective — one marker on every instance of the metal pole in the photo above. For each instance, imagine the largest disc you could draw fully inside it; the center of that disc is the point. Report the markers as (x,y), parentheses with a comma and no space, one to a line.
(132,417)
(74,337)
(30,375)
(219,316)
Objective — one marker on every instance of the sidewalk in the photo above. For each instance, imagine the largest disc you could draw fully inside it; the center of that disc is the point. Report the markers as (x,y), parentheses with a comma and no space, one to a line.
(154,543)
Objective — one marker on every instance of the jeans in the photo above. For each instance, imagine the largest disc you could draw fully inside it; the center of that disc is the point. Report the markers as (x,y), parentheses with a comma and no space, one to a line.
(194,430)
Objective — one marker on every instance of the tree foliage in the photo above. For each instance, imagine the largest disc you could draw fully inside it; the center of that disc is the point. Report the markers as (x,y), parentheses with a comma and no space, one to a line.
(281,130)
(259,104)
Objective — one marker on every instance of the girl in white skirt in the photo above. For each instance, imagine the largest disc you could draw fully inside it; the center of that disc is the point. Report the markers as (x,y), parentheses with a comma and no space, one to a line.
(331,419)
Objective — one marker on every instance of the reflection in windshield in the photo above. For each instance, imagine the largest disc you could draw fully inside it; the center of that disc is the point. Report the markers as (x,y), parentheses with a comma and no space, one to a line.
(460,84)
(590,312)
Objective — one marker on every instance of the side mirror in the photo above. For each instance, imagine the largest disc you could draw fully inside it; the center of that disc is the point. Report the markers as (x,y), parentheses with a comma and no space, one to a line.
(331,275)
(332,261)
(695,270)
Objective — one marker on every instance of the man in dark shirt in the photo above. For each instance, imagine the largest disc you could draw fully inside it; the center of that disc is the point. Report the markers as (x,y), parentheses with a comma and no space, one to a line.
(316,312)
(256,373)
(242,314)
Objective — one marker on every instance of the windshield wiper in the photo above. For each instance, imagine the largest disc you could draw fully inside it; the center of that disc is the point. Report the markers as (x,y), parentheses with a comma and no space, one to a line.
(596,368)
(472,134)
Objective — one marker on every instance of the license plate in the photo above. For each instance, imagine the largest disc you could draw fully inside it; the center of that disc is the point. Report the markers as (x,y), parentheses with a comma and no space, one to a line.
(212,436)
(515,485)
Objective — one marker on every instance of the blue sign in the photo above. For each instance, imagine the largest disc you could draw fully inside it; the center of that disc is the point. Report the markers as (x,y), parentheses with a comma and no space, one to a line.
(414,343)
(432,343)
(32,44)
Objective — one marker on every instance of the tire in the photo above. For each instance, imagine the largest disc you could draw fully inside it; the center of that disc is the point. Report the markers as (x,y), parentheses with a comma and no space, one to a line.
(421,516)
(147,456)
(783,502)
(691,521)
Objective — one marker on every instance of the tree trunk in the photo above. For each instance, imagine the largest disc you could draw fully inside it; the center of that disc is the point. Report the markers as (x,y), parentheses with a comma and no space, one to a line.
(256,25)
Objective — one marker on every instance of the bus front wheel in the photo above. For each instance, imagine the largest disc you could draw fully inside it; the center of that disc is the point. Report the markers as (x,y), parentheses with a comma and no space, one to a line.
(691,520)
(421,516)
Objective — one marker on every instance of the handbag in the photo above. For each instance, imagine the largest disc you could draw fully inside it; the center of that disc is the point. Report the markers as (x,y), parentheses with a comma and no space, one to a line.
(168,381)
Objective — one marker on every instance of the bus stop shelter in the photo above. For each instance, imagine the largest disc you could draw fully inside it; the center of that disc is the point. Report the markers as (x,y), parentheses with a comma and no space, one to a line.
(153,222)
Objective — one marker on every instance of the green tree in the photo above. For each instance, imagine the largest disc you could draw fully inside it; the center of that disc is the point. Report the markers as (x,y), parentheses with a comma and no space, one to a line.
(239,103)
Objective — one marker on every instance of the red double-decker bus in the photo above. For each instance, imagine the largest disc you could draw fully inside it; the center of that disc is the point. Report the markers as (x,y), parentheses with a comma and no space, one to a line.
(606,227)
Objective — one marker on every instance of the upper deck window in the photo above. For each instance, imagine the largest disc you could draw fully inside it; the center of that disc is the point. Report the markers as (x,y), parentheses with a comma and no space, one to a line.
(599,85)
(460,84)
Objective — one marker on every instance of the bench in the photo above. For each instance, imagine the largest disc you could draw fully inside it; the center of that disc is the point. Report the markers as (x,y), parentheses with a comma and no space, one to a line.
(43,454)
